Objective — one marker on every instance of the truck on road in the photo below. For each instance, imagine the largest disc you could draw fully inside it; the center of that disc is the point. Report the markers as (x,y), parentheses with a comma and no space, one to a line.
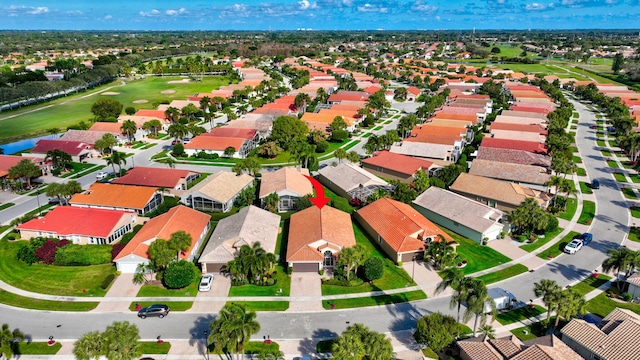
(503,299)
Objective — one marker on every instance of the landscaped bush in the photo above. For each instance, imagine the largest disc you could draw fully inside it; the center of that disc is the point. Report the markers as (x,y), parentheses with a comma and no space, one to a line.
(339,135)
(115,250)
(553,224)
(322,146)
(180,274)
(83,255)
(26,254)
(373,268)
(47,252)
(107,281)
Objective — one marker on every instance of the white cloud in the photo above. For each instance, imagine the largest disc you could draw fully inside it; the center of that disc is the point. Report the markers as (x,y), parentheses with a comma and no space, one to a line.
(108,17)
(347,2)
(304,4)
(172,12)
(38,10)
(153,12)
(373,8)
(419,5)
(535,6)
(74,12)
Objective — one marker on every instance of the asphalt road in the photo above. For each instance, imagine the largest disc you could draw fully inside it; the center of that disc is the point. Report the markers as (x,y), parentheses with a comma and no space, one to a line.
(609,229)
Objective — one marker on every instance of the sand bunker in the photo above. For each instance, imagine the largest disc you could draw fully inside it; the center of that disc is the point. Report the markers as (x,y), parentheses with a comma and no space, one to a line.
(110,93)
(141,101)
(167,91)
(183,81)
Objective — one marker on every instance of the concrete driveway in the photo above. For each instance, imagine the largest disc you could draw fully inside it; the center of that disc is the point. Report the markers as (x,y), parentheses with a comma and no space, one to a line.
(123,287)
(305,292)
(219,289)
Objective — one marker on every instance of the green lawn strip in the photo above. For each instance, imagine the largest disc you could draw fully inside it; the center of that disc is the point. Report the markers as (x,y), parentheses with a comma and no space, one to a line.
(377,128)
(160,291)
(173,305)
(628,165)
(351,144)
(574,149)
(629,193)
(373,301)
(611,163)
(41,209)
(581,172)
(573,127)
(148,146)
(605,152)
(367,135)
(591,283)
(51,279)
(280,288)
(88,171)
(602,305)
(633,234)
(556,250)
(541,241)
(160,155)
(478,257)
(78,168)
(6,205)
(529,332)
(635,212)
(601,143)
(394,276)
(153,348)
(263,305)
(37,348)
(12,299)
(585,188)
(503,274)
(41,190)
(577,159)
(635,178)
(588,212)
(520,314)
(575,114)
(198,180)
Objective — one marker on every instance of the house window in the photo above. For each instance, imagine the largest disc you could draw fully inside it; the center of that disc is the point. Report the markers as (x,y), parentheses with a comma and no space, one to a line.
(328,259)
(379,239)
(492,203)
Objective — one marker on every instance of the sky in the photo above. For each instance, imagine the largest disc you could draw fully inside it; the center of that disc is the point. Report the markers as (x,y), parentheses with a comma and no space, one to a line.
(318,14)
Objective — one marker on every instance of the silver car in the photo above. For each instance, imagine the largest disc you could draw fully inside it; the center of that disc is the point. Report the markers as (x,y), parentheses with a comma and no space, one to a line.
(205,282)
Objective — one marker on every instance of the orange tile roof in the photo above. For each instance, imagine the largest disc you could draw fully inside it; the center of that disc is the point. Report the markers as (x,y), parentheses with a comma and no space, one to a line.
(162,226)
(216,143)
(449,116)
(243,133)
(400,225)
(445,135)
(121,196)
(155,177)
(313,225)
(397,162)
(152,113)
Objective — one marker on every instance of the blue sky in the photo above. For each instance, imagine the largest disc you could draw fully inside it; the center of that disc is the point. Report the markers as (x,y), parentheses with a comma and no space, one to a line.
(318,14)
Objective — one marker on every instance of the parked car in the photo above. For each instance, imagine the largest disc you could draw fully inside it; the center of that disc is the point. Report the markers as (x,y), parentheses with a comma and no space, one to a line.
(205,282)
(573,247)
(176,141)
(158,310)
(595,184)
(186,140)
(104,174)
(585,238)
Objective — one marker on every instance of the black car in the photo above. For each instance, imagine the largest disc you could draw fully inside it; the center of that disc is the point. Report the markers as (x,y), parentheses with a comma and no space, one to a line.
(158,310)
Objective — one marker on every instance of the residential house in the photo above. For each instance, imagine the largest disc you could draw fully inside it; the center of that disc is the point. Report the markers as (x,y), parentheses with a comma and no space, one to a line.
(535,147)
(169,179)
(548,347)
(394,166)
(500,194)
(633,282)
(87,136)
(615,339)
(250,225)
(413,93)
(219,139)
(77,149)
(350,181)
(9,161)
(217,192)
(316,237)
(457,213)
(401,231)
(140,199)
(513,156)
(534,177)
(178,218)
(343,95)
(289,183)
(80,225)
(440,154)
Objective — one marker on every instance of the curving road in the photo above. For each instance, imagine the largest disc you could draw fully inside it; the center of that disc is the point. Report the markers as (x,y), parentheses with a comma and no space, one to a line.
(609,229)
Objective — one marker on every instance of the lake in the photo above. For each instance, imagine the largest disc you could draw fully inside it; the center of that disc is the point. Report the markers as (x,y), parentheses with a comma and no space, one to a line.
(14,147)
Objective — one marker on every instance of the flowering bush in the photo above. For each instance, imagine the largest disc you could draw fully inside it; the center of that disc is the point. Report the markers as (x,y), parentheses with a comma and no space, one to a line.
(47,252)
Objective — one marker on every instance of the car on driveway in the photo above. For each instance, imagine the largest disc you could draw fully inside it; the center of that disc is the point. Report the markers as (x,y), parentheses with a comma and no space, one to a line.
(205,282)
(585,238)
(573,247)
(158,310)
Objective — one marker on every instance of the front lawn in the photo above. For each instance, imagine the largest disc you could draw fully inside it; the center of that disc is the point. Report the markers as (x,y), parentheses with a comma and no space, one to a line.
(520,314)
(478,257)
(588,212)
(612,163)
(280,288)
(173,305)
(591,283)
(602,305)
(51,279)
(374,301)
(585,188)
(541,241)
(161,291)
(620,177)
(153,348)
(635,212)
(18,301)
(601,143)
(633,234)
(570,209)
(503,274)
(263,305)
(556,250)
(577,159)
(629,193)
(37,348)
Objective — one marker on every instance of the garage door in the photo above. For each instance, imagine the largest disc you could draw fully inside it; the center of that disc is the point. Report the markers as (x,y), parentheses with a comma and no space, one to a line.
(302,267)
(409,257)
(127,267)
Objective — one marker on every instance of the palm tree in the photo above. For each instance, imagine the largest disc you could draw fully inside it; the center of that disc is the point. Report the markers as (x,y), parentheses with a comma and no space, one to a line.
(180,241)
(340,154)
(89,346)
(488,331)
(120,341)
(440,254)
(172,114)
(550,292)
(350,258)
(129,127)
(618,261)
(477,298)
(353,156)
(9,341)
(25,169)
(571,303)
(348,346)
(59,158)
(233,328)
(117,158)
(177,130)
(142,271)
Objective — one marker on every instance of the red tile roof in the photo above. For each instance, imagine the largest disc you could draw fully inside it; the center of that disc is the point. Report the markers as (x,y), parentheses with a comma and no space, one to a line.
(519,127)
(248,134)
(349,95)
(215,143)
(530,146)
(445,135)
(72,220)
(152,113)
(154,177)
(161,227)
(72,148)
(397,162)
(9,161)
(400,225)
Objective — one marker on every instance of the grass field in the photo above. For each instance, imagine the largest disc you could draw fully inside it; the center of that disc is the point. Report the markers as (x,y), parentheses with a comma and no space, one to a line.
(18,301)
(541,241)
(557,248)
(280,288)
(157,291)
(520,314)
(373,301)
(503,274)
(70,110)
(38,348)
(591,283)
(588,212)
(601,305)
(50,279)
(263,305)
(478,257)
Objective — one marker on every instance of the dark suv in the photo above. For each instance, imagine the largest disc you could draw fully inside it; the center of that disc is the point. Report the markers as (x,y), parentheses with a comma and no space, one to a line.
(154,310)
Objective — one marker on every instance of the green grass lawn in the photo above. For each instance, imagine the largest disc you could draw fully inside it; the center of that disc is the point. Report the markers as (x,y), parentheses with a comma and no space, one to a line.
(373,301)
(556,249)
(38,348)
(605,152)
(173,305)
(588,212)
(633,234)
(629,193)
(14,300)
(581,172)
(478,257)
(263,305)
(591,283)
(70,110)
(619,176)
(520,314)
(6,206)
(394,276)
(541,241)
(635,178)
(628,165)
(503,274)
(377,128)
(601,143)
(529,332)
(159,291)
(280,288)
(570,209)
(611,163)
(584,188)
(50,279)
(367,135)
(577,159)
(635,212)
(602,305)
(152,347)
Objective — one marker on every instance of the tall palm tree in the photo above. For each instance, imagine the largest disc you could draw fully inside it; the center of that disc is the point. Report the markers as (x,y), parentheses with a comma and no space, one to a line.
(9,341)
(477,298)
(172,114)
(234,327)
(348,346)
(89,346)
(25,169)
(129,127)
(117,158)
(121,341)
(550,292)
(340,154)
(618,260)
(571,303)
(488,331)
(455,279)
(440,254)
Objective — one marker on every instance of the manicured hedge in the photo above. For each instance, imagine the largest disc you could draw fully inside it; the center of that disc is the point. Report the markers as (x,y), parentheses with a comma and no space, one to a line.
(82,255)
